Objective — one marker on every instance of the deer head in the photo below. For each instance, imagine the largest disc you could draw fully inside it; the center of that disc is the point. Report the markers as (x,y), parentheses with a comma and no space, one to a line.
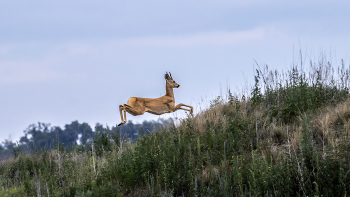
(169,79)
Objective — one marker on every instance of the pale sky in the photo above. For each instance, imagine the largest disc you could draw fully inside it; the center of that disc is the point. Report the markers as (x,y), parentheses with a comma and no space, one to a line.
(62,61)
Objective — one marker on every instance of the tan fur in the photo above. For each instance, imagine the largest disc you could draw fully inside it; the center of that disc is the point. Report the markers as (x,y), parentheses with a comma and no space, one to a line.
(166,104)
(131,101)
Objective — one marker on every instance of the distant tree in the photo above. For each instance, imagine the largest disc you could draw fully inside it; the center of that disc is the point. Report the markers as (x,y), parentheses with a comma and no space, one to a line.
(8,144)
(72,131)
(40,135)
(44,136)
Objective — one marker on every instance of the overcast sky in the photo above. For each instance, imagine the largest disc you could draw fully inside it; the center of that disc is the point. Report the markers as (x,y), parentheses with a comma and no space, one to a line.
(62,61)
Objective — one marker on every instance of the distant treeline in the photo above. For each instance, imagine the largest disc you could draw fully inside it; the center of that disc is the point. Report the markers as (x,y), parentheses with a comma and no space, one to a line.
(44,136)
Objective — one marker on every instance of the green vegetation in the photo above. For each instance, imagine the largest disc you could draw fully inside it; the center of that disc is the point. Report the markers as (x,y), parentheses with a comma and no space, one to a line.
(290,137)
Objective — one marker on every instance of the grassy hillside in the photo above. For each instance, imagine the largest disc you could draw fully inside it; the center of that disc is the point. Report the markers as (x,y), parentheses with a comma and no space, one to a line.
(289,137)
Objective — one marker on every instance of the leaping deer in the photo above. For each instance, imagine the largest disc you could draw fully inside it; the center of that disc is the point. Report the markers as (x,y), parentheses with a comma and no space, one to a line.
(166,104)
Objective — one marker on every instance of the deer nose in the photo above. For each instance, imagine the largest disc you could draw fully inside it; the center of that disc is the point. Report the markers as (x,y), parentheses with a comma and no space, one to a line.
(178,86)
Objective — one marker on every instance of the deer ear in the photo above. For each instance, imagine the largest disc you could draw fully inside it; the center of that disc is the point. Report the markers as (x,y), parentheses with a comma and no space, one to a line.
(166,76)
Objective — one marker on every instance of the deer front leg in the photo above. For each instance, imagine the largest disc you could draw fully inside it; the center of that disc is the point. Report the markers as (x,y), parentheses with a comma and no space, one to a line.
(179,106)
(189,107)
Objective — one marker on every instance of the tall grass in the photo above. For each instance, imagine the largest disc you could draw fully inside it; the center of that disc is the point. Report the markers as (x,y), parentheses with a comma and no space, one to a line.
(288,138)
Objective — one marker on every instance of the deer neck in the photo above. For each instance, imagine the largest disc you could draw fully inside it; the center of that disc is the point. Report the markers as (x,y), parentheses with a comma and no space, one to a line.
(169,90)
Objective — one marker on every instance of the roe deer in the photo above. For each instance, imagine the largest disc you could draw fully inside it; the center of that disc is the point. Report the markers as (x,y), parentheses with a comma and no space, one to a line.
(166,104)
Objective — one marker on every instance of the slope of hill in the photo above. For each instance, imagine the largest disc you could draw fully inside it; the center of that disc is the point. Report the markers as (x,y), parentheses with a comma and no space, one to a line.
(289,137)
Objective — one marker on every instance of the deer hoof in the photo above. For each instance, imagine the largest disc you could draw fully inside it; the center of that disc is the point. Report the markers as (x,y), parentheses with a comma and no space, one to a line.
(123,122)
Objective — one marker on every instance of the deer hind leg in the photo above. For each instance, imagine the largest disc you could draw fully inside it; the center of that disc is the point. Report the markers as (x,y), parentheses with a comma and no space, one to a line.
(131,110)
(121,108)
(125,120)
(135,111)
